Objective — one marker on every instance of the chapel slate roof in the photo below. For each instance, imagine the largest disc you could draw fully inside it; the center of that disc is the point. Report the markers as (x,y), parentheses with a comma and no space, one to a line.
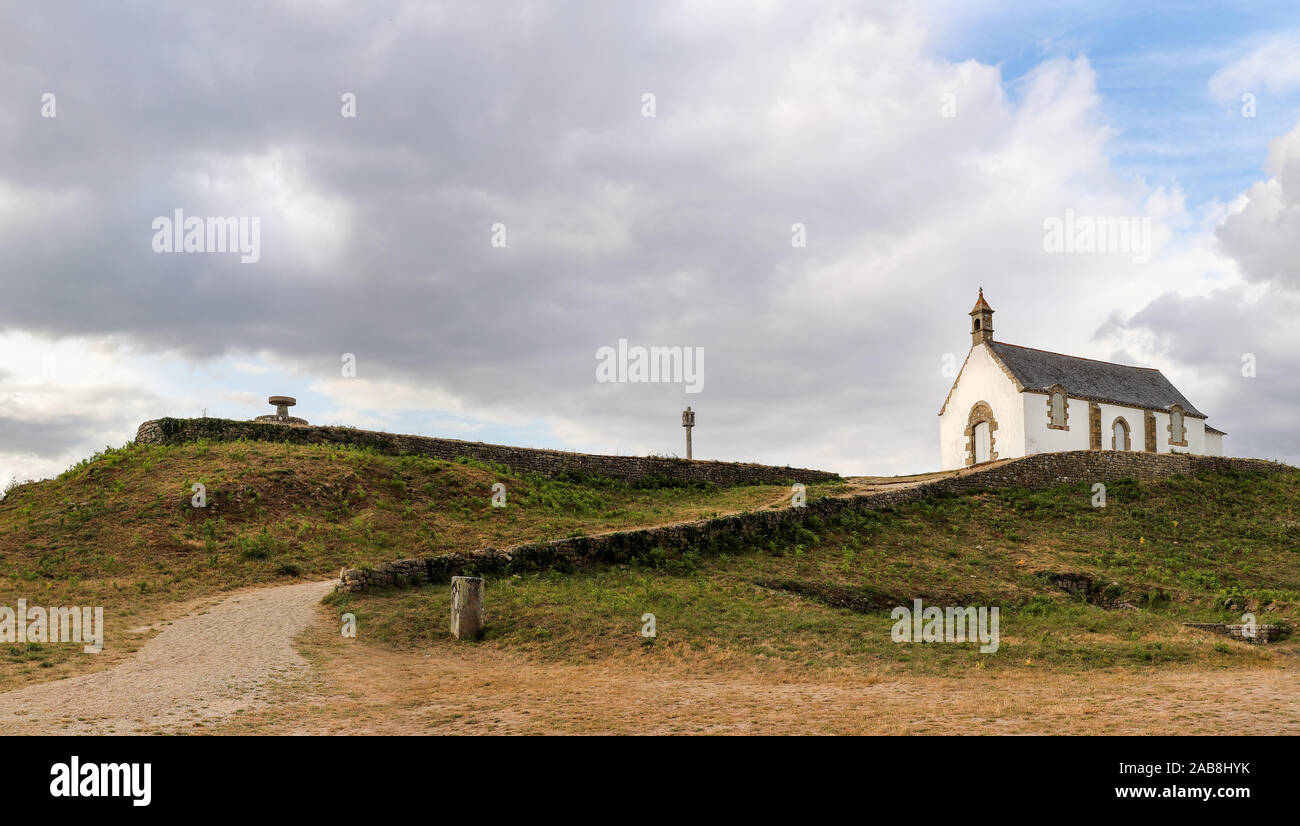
(1104,381)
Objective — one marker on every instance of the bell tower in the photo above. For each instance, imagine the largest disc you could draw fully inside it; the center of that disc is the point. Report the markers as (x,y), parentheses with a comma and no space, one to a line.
(981,321)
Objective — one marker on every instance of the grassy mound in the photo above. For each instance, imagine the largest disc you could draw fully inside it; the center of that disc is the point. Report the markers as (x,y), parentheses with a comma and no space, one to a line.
(119,530)
(1078,587)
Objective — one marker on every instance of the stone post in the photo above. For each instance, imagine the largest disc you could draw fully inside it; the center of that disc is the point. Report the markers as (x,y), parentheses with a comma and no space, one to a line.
(688,421)
(467,607)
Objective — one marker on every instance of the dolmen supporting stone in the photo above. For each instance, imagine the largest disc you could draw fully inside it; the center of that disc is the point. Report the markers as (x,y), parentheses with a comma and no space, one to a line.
(282,405)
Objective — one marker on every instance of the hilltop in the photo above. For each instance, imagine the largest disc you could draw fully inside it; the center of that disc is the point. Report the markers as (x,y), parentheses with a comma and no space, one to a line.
(119,528)
(1080,588)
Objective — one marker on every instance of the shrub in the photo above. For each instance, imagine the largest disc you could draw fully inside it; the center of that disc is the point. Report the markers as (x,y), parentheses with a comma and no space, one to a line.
(260,546)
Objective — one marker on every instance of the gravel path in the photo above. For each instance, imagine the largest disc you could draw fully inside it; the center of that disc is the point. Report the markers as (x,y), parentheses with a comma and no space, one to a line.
(202,668)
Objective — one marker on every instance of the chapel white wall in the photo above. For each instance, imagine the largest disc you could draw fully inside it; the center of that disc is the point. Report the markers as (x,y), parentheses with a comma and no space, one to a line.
(981,379)
(1213,444)
(1039,438)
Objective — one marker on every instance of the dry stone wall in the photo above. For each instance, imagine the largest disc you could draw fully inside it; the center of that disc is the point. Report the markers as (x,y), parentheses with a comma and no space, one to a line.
(1043,470)
(550,463)
(1262,633)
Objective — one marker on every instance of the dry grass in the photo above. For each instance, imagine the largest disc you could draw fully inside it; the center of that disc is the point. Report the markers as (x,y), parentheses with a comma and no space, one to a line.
(468,689)
(119,530)
(736,653)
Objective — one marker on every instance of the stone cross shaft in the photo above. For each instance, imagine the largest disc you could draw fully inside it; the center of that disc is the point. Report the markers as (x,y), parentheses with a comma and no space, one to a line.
(688,422)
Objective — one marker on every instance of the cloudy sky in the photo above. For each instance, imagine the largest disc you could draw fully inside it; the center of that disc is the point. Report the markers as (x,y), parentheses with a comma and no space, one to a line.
(648,162)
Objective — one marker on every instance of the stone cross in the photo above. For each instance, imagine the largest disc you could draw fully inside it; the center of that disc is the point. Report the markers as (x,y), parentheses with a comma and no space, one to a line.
(688,421)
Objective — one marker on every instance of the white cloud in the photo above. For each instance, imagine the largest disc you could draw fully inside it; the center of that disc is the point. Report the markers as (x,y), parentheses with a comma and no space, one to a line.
(455,425)
(1271,66)
(300,224)
(1238,303)
(381,398)
(245,398)
(1263,231)
(671,230)
(63,399)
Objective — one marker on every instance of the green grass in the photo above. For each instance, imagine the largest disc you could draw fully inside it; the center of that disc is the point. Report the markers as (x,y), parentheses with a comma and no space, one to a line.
(119,529)
(127,513)
(1182,550)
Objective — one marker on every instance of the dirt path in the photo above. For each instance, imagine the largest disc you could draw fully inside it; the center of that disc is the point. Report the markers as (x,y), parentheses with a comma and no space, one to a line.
(853,486)
(209,666)
(199,669)
(476,689)
(235,668)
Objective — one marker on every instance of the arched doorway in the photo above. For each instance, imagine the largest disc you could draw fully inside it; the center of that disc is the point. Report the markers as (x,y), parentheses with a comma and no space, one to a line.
(1119,439)
(981,434)
(983,442)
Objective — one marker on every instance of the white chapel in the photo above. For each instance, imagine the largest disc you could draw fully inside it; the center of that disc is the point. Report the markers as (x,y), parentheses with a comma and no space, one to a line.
(1010,401)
